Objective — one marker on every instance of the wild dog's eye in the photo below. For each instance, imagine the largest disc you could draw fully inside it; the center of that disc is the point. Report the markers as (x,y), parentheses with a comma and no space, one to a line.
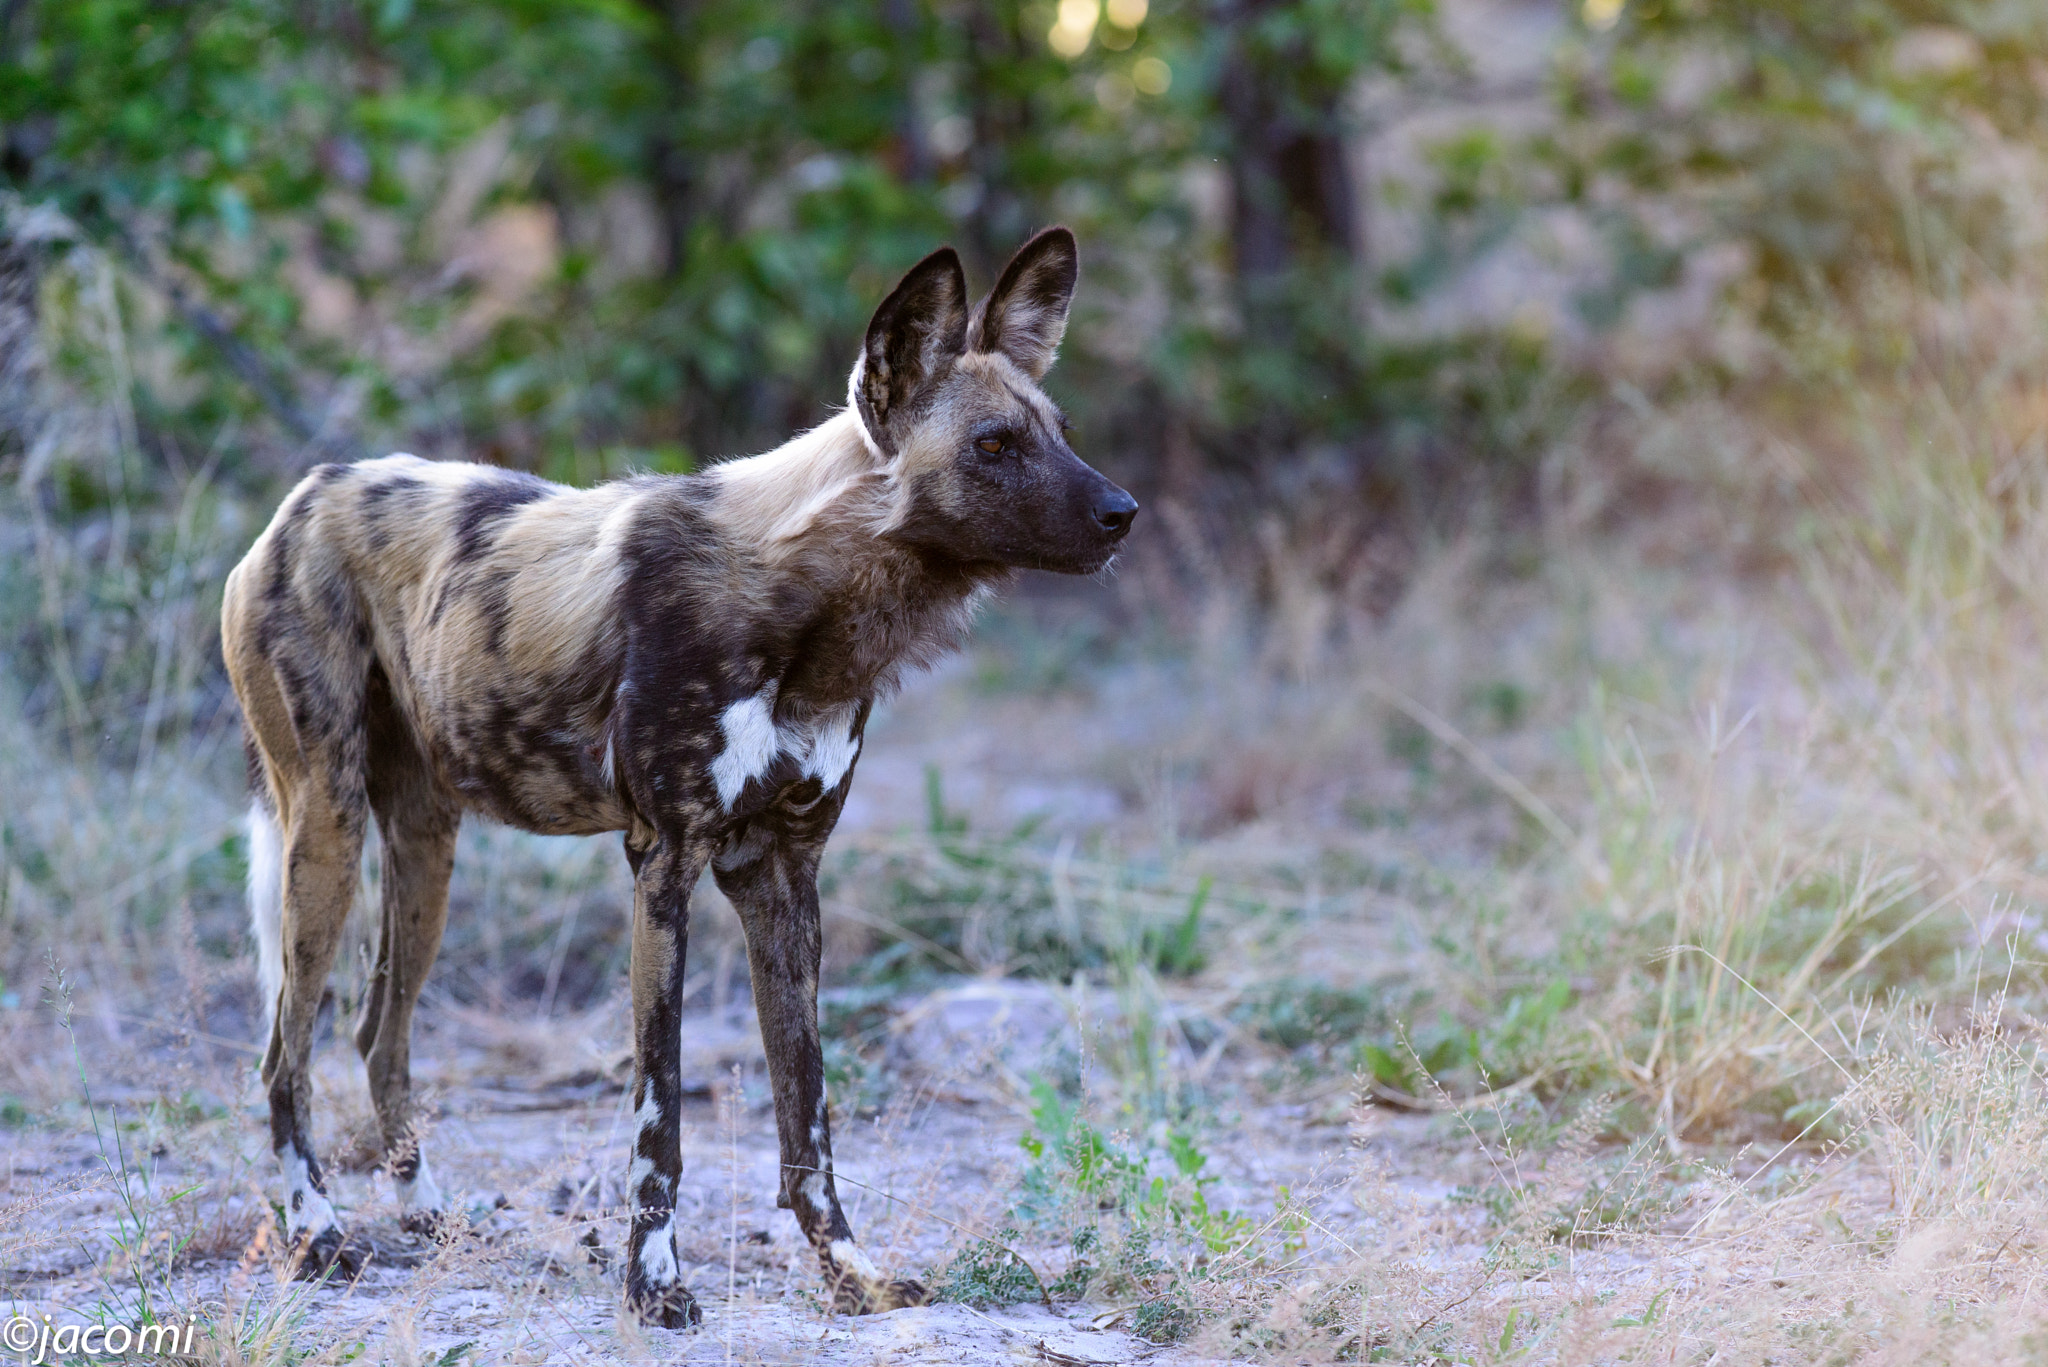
(992,446)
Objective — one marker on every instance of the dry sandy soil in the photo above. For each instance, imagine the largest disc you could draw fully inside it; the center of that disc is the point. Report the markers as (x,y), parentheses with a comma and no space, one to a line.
(527,1119)
(529,1122)
(547,1150)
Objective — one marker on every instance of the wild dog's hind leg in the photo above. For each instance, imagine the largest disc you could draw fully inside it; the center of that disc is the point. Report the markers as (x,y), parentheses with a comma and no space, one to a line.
(772,879)
(297,648)
(323,819)
(417,823)
(665,870)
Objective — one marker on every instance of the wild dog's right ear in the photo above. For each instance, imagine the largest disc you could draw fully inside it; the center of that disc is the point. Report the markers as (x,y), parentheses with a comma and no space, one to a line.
(919,330)
(1025,315)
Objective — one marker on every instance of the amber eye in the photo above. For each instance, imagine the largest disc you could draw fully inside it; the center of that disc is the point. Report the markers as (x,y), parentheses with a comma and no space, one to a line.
(991,445)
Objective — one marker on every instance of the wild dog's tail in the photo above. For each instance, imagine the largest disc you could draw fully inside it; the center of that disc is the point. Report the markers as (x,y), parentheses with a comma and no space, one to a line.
(266,890)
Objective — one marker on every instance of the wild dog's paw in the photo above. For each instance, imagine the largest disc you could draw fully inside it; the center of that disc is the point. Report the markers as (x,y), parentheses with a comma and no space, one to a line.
(438,1225)
(664,1307)
(446,1223)
(655,1293)
(327,1252)
(880,1297)
(859,1289)
(851,1295)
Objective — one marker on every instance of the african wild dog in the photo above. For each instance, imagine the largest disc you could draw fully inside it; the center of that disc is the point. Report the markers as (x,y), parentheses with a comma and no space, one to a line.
(687,659)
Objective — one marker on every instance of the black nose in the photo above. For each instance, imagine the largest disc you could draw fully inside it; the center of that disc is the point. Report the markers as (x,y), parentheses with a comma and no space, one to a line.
(1114,511)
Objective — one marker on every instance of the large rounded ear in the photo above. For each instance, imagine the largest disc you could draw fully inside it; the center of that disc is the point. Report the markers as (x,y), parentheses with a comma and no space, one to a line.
(919,330)
(1025,315)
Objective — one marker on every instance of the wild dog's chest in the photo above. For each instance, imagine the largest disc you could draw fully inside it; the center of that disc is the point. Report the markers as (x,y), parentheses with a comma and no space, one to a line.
(724,717)
(770,748)
(709,747)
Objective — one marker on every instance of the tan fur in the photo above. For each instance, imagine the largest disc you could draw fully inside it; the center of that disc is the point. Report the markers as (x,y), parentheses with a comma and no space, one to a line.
(831,474)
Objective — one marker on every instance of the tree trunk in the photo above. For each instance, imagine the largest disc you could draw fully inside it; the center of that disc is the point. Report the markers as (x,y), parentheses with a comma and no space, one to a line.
(21,347)
(1001,116)
(1291,190)
(670,160)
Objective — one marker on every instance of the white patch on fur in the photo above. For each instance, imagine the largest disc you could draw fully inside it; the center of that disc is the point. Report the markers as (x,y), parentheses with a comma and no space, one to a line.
(642,1167)
(751,744)
(442,474)
(824,747)
(423,1193)
(855,382)
(611,734)
(658,1254)
(813,1188)
(851,1256)
(266,906)
(829,745)
(306,1211)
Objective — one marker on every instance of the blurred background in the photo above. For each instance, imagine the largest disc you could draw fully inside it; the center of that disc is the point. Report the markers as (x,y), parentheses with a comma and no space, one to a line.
(1593,468)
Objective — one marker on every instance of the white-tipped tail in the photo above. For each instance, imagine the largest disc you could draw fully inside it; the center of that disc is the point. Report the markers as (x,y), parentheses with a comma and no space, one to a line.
(266,905)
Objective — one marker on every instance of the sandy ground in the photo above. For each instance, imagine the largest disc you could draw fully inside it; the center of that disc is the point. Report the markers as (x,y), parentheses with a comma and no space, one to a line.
(528,1122)
(1423,1219)
(536,1146)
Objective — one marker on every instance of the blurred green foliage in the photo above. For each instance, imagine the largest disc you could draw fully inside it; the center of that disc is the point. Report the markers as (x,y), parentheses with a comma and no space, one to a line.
(1840,143)
(788,160)
(586,235)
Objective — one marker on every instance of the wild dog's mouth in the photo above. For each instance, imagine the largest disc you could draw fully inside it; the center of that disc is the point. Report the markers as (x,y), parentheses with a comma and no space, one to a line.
(1072,564)
(1108,559)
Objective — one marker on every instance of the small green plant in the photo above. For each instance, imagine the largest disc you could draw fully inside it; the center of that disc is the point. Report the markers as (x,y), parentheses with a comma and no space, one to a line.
(1295,1015)
(139,1238)
(1073,1284)
(1507,1048)
(1175,950)
(1159,1186)
(1137,1213)
(988,1272)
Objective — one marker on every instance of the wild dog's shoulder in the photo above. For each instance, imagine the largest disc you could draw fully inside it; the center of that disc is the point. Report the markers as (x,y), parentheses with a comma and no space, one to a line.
(694,595)
(667,538)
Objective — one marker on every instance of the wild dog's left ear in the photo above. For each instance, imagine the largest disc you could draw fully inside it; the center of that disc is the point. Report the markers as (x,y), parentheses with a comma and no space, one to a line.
(1025,315)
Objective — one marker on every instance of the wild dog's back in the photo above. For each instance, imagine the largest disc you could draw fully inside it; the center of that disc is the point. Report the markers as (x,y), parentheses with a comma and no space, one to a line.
(479,601)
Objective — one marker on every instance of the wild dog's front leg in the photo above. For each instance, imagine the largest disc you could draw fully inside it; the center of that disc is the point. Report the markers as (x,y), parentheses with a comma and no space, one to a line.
(663,877)
(774,885)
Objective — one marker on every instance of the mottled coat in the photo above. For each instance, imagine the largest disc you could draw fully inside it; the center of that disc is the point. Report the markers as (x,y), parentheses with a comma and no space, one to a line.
(690,660)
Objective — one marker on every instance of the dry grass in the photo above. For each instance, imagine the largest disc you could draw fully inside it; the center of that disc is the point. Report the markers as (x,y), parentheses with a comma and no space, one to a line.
(1623,945)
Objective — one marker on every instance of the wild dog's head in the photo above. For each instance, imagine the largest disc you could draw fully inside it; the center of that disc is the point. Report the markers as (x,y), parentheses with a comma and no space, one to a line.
(951,398)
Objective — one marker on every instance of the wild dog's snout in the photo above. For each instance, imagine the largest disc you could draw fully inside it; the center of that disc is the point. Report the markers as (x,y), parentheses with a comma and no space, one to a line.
(1113,511)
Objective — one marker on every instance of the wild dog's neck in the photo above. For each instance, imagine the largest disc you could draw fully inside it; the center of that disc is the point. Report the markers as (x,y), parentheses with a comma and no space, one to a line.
(813,517)
(816,483)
